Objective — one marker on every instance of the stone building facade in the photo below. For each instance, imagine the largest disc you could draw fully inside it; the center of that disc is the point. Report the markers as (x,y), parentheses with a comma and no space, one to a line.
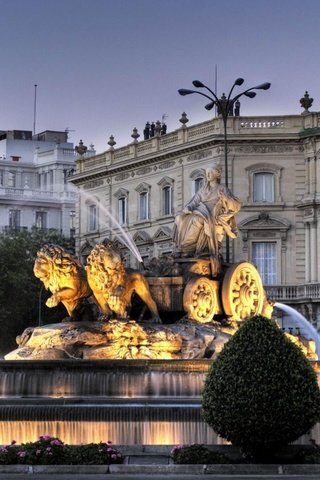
(134,192)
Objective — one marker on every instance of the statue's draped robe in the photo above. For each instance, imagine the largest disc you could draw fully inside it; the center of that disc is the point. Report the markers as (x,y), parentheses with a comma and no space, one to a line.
(212,215)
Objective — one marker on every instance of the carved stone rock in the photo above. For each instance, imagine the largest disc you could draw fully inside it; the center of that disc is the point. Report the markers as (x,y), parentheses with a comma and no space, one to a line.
(119,339)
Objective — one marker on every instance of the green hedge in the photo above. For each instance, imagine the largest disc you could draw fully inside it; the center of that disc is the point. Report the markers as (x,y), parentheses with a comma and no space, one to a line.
(261,392)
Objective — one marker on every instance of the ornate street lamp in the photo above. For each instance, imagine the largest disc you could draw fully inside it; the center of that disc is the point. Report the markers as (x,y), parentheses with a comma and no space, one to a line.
(225,107)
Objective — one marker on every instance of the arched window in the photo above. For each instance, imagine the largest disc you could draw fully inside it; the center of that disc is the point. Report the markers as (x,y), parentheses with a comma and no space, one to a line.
(264,238)
(14,218)
(122,210)
(12,180)
(264,256)
(263,187)
(264,183)
(41,220)
(166,196)
(92,218)
(197,184)
(167,200)
(197,178)
(143,201)
(122,196)
(144,205)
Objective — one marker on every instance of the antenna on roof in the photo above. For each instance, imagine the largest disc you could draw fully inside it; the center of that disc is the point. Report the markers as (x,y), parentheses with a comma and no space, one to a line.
(215,86)
(164,116)
(35,109)
(67,130)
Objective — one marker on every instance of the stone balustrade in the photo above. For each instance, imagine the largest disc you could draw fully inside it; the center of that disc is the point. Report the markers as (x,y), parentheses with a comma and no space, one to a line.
(27,193)
(185,135)
(293,292)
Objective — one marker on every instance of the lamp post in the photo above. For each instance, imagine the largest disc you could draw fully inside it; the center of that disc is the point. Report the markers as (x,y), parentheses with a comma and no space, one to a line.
(225,109)
(39,306)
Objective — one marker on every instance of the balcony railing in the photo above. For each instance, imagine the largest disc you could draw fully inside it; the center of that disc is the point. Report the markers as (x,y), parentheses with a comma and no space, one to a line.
(8,229)
(293,292)
(39,194)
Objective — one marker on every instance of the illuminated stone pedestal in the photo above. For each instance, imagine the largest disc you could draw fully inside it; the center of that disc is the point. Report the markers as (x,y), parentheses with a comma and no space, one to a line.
(127,402)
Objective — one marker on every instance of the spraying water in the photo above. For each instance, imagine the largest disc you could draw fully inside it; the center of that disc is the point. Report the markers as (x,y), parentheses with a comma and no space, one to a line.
(301,321)
(123,236)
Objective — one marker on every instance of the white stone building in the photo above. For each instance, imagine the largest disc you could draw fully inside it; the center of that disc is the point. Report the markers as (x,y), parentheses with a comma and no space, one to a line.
(34,187)
(273,168)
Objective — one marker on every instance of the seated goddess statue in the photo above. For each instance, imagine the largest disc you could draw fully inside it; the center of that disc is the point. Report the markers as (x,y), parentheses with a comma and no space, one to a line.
(204,221)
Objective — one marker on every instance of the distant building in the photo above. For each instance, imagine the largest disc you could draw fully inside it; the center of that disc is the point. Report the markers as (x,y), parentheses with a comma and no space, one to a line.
(34,187)
(273,168)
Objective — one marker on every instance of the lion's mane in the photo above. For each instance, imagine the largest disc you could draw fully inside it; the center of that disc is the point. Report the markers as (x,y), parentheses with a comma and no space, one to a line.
(96,268)
(58,260)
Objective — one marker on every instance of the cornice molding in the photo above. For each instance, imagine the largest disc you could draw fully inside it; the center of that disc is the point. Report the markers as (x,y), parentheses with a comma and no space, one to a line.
(132,166)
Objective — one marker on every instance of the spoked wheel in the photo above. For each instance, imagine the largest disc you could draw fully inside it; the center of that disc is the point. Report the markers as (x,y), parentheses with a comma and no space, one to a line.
(242,291)
(201,300)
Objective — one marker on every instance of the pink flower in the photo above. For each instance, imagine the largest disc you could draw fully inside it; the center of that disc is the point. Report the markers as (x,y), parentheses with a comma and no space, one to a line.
(55,442)
(22,454)
(177,447)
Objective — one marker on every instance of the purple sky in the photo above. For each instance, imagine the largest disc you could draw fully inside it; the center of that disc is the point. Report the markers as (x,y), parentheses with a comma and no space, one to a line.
(106,66)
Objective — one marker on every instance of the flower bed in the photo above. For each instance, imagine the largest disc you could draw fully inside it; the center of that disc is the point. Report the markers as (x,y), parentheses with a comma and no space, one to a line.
(52,451)
(199,454)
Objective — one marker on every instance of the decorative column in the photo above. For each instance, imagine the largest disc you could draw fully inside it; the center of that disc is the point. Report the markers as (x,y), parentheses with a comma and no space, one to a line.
(316,260)
(307,251)
(313,251)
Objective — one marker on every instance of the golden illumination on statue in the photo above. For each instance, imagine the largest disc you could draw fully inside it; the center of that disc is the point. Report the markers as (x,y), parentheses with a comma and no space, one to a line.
(66,279)
(113,287)
(204,221)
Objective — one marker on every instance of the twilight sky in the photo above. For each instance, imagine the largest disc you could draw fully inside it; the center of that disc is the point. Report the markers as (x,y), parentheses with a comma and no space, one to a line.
(106,66)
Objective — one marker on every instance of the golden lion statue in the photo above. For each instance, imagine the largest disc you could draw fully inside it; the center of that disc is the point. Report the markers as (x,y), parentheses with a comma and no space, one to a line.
(66,279)
(112,286)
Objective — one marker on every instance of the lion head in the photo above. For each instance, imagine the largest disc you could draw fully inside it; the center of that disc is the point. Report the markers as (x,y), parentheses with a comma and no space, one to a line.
(54,263)
(105,268)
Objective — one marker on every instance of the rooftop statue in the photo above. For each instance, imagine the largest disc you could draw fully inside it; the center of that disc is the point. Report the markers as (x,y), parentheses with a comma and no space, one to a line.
(204,221)
(113,286)
(66,279)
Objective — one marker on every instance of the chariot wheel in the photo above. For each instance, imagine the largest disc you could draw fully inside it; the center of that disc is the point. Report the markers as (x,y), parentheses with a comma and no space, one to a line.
(242,291)
(201,300)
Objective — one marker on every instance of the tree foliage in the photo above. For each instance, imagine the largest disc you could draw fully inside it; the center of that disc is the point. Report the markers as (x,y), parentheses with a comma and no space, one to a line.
(261,392)
(21,293)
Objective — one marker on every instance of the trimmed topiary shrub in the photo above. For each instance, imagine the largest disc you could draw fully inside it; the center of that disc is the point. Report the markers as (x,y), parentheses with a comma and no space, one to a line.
(261,392)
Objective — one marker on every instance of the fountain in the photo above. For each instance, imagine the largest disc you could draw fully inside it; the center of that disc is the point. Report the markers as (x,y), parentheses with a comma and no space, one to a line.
(110,373)
(307,330)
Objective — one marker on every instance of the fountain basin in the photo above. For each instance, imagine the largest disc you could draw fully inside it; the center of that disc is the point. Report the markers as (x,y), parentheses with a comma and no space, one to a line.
(150,402)
(125,401)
